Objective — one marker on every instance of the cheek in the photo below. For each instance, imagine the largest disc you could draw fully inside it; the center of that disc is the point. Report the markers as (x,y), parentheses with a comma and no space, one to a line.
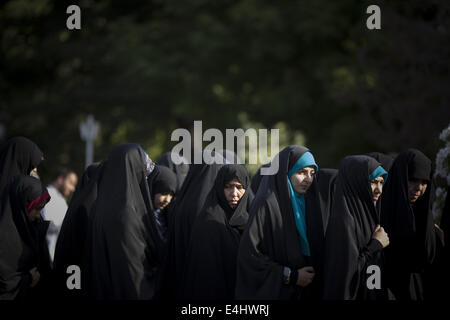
(424,188)
(297,179)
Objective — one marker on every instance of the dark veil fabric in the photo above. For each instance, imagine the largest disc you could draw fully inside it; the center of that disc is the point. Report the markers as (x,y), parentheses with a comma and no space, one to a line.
(125,246)
(271,240)
(256,179)
(22,244)
(72,240)
(183,212)
(162,180)
(18,155)
(211,260)
(410,226)
(385,160)
(180,170)
(326,181)
(349,247)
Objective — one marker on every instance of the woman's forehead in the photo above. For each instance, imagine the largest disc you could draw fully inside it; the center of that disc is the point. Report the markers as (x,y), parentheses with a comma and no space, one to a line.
(235,180)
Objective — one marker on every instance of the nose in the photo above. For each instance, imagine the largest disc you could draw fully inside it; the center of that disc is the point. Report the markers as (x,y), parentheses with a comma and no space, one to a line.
(377,190)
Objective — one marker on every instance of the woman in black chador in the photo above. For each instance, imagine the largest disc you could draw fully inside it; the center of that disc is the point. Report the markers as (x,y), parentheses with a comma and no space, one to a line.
(280,253)
(187,205)
(71,245)
(126,247)
(162,185)
(211,259)
(18,155)
(24,262)
(406,216)
(354,239)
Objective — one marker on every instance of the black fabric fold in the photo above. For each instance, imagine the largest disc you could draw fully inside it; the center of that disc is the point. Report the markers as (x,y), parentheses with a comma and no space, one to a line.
(183,212)
(22,243)
(349,248)
(72,240)
(410,226)
(210,272)
(126,248)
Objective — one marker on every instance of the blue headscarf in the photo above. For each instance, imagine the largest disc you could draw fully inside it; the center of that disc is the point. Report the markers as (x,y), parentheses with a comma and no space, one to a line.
(378,172)
(298,201)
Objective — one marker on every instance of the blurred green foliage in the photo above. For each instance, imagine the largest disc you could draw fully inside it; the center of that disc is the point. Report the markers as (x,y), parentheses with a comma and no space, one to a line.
(144,68)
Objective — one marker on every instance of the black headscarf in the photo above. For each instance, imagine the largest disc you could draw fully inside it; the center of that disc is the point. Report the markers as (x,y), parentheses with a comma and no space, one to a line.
(22,243)
(18,155)
(180,170)
(349,248)
(385,160)
(71,245)
(126,247)
(271,239)
(184,210)
(211,260)
(410,226)
(162,180)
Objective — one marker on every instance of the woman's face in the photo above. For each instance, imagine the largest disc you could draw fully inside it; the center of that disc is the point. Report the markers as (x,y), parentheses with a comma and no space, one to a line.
(302,179)
(416,189)
(233,192)
(377,188)
(162,200)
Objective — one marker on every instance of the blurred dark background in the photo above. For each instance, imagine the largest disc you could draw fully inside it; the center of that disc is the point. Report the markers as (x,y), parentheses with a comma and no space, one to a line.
(145,68)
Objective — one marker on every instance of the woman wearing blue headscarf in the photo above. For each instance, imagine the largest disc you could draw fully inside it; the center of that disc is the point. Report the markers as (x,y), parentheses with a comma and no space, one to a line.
(353,267)
(280,254)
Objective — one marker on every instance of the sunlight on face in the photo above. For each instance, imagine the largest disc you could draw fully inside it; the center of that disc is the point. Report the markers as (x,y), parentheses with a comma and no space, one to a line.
(377,188)
(233,191)
(302,179)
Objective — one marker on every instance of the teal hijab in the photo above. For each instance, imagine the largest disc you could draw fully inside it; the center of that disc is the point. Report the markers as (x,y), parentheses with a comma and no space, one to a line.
(298,201)
(378,172)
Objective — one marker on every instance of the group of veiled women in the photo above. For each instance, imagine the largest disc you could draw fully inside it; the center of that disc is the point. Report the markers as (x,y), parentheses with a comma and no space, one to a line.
(136,229)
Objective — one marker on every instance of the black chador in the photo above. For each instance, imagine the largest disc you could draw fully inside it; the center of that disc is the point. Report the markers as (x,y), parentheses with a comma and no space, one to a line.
(274,243)
(126,247)
(211,260)
(162,181)
(350,250)
(409,225)
(182,213)
(22,241)
(71,247)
